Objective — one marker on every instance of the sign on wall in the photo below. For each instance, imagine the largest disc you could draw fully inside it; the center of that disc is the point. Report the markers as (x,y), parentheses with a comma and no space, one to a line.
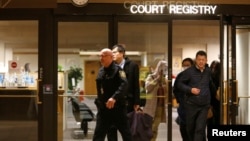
(14,66)
(170,7)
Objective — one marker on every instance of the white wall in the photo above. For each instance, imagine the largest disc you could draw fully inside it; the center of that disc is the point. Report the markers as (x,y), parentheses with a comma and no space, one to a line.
(190,50)
(242,74)
(28,58)
(7,55)
(213,52)
(2,57)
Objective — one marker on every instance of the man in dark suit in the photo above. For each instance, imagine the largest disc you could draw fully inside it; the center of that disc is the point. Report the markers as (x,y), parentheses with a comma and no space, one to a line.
(131,70)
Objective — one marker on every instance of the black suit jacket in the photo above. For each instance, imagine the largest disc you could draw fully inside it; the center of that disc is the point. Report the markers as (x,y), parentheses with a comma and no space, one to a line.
(132,73)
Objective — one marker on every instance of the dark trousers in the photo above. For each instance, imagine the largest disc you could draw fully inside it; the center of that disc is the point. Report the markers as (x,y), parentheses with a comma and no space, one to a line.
(182,120)
(215,120)
(112,132)
(107,118)
(183,131)
(196,119)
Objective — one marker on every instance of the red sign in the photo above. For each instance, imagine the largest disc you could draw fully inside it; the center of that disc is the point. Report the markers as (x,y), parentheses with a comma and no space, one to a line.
(13,65)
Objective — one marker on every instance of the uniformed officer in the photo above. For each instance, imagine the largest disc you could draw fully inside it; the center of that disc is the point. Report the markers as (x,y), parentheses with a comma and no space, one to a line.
(111,86)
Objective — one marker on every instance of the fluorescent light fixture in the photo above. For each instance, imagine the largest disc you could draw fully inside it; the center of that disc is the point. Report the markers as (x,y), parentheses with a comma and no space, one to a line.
(128,53)
(89,53)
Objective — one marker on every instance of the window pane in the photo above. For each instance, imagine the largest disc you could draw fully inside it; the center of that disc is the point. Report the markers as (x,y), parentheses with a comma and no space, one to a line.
(78,46)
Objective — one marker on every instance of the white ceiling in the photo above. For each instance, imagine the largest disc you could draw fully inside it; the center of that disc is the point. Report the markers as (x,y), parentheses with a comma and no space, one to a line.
(22,36)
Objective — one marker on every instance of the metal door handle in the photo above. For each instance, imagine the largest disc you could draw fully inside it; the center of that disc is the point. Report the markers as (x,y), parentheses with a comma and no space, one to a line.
(236,87)
(37,96)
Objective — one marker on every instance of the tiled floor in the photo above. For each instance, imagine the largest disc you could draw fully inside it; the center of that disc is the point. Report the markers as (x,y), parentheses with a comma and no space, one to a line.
(74,133)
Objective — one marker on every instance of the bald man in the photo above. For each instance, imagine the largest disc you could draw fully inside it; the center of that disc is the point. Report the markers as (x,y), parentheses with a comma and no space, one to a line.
(111,84)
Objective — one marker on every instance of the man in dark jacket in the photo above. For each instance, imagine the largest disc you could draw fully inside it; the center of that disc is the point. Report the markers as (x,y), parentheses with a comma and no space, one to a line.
(194,81)
(132,74)
(111,86)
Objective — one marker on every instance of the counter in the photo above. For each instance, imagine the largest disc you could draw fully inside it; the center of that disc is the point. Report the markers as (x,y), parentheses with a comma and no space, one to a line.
(18,103)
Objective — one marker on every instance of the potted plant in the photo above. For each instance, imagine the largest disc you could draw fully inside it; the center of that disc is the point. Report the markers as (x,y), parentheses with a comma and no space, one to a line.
(59,68)
(74,76)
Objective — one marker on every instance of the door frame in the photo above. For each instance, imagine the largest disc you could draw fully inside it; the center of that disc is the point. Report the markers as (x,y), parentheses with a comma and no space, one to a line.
(46,128)
(230,104)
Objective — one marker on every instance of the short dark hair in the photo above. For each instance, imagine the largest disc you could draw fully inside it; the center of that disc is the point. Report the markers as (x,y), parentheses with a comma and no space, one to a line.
(191,61)
(120,48)
(201,53)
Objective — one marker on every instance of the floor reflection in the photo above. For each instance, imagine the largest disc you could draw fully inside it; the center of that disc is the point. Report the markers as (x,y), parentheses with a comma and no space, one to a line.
(74,133)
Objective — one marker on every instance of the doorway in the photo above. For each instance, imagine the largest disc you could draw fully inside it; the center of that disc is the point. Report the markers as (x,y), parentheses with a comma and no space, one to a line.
(235,86)
(191,36)
(242,72)
(236,96)
(81,52)
(90,73)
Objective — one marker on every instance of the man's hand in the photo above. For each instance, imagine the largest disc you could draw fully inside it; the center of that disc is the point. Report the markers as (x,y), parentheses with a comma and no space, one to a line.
(136,107)
(110,103)
(195,91)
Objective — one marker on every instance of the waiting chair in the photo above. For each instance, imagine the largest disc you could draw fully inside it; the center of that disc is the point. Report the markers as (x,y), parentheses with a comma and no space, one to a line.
(82,113)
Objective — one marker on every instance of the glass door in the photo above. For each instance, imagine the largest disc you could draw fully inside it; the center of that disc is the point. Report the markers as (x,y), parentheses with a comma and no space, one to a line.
(235,96)
(241,91)
(79,44)
(242,98)
(147,44)
(18,80)
(190,36)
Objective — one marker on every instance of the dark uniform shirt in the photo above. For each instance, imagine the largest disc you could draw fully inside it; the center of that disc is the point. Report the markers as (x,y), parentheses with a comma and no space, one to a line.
(111,83)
